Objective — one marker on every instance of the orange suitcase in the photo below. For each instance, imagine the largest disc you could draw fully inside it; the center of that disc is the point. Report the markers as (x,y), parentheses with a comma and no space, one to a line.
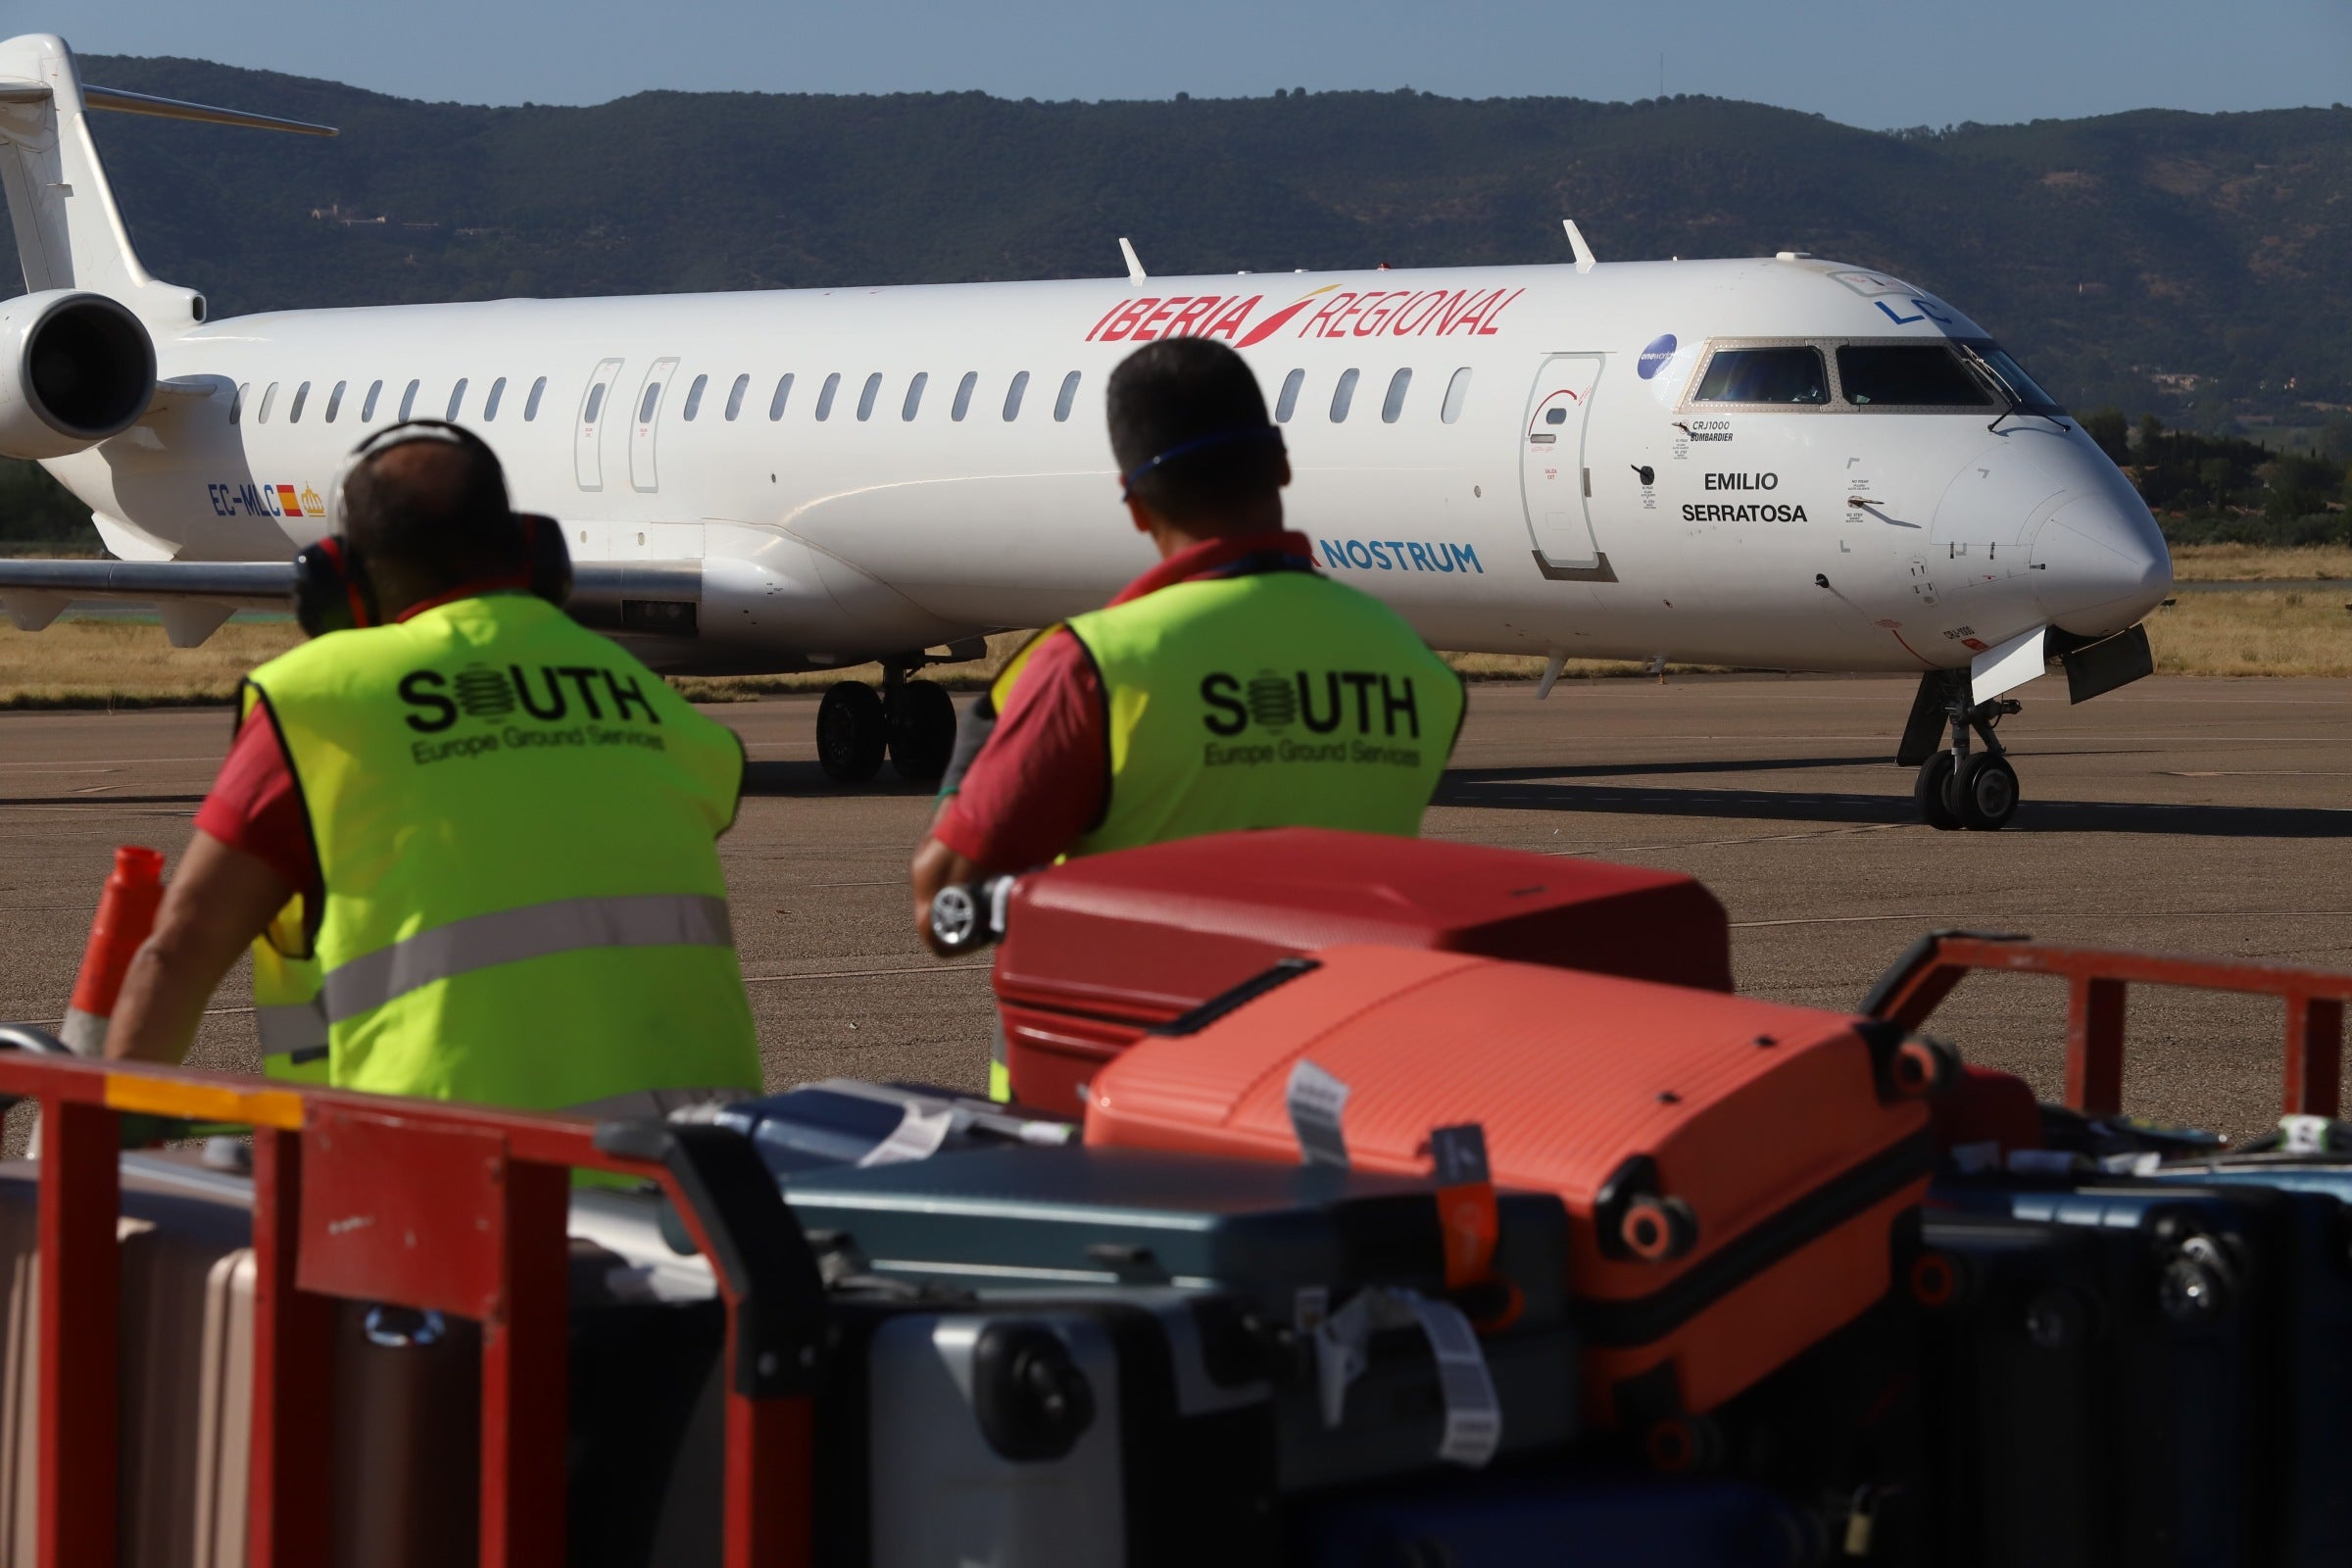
(1737,1173)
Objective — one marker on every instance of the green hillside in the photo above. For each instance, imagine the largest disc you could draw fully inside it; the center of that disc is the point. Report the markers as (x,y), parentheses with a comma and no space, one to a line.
(2208,249)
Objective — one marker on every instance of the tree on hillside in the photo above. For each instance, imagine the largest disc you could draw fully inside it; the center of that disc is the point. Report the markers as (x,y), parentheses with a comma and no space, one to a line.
(2109,428)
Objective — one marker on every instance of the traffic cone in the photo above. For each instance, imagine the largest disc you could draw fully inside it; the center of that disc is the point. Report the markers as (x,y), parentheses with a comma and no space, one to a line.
(126,916)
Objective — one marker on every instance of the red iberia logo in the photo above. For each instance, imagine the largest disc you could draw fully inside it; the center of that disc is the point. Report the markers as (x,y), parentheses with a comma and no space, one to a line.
(289,502)
(1342,312)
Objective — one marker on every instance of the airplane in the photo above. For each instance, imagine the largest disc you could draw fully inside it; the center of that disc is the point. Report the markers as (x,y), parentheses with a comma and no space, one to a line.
(1783,462)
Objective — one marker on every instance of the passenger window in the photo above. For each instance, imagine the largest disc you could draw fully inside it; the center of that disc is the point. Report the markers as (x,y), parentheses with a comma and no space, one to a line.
(408,400)
(743,384)
(334,401)
(1013,396)
(269,396)
(375,389)
(498,393)
(1068,397)
(302,395)
(1791,376)
(596,403)
(694,395)
(1391,406)
(1455,391)
(866,395)
(649,403)
(1343,395)
(775,405)
(237,404)
(1555,416)
(963,396)
(1897,375)
(530,405)
(914,394)
(456,400)
(824,396)
(1287,404)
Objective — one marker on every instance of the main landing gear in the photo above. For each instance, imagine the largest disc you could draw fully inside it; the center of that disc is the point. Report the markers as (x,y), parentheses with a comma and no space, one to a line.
(910,721)
(1959,788)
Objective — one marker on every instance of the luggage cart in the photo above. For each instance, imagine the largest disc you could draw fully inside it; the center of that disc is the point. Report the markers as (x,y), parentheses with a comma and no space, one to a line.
(459,1210)
(1918,982)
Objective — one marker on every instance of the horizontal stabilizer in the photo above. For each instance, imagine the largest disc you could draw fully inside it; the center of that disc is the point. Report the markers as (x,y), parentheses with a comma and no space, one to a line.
(139,103)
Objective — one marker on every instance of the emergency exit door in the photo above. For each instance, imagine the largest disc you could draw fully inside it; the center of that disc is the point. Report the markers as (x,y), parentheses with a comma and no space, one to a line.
(587,456)
(646,425)
(1556,478)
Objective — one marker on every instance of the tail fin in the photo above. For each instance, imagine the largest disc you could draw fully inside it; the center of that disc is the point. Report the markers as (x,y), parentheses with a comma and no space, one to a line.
(69,234)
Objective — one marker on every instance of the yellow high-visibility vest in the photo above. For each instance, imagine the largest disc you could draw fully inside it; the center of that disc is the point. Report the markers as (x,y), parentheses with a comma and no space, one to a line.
(516,825)
(1277,699)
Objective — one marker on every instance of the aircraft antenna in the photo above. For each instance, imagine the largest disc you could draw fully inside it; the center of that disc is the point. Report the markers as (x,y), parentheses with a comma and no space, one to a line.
(1134,267)
(1585,261)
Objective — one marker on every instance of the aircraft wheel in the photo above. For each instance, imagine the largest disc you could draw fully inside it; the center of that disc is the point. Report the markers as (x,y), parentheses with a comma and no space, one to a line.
(1928,793)
(851,734)
(1982,794)
(922,730)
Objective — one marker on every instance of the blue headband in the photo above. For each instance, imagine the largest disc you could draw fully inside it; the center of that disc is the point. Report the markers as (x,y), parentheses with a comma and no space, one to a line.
(1185,449)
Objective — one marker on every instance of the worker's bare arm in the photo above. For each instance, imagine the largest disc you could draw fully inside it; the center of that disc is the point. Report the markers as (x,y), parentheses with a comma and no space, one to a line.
(220,900)
(937,866)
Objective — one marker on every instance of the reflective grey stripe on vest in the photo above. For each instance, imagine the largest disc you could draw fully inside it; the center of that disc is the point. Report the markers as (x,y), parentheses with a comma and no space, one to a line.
(296,1029)
(660,1104)
(535,931)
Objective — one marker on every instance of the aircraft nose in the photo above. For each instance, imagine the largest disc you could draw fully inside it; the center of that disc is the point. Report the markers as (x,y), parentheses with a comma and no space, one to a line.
(2099,560)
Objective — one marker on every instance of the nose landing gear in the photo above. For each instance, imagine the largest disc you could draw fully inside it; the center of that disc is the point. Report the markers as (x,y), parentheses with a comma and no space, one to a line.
(1958,787)
(910,721)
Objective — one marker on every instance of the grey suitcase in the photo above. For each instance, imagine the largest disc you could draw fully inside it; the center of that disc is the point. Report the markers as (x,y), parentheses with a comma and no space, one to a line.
(1292,1246)
(1084,1433)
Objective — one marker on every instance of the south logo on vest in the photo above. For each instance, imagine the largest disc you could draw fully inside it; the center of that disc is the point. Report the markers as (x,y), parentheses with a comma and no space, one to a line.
(1366,713)
(515,709)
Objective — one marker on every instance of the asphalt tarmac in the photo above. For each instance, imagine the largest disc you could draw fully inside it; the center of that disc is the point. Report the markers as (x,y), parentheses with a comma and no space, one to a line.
(2191,815)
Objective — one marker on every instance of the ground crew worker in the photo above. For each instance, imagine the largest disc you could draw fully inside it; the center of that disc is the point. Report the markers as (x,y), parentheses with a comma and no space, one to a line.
(1230,686)
(499,825)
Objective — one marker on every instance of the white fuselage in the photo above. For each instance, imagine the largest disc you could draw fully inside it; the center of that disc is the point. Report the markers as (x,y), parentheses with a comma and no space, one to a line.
(1641,522)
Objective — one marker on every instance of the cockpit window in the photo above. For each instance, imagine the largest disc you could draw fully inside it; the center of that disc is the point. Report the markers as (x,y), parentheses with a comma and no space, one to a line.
(1907,376)
(2015,382)
(1791,376)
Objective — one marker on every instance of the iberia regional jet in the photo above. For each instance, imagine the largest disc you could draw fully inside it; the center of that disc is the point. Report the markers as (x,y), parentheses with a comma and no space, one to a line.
(1783,462)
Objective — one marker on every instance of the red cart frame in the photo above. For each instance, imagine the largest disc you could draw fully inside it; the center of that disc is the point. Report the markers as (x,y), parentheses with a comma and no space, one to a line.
(1920,980)
(454,1209)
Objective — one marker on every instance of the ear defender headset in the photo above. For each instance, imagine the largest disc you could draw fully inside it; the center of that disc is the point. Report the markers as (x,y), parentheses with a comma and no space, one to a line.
(332,591)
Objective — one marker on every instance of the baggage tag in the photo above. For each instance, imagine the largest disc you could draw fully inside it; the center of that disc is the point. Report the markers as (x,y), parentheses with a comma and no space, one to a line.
(916,1137)
(1473,1414)
(1316,1100)
(1466,1211)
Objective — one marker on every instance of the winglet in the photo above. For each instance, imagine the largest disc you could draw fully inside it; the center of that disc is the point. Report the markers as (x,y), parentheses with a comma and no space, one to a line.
(1134,267)
(1585,261)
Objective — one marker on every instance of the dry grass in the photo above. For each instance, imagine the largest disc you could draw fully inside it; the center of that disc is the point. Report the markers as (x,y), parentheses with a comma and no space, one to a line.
(106,662)
(103,662)
(2260,563)
(2294,633)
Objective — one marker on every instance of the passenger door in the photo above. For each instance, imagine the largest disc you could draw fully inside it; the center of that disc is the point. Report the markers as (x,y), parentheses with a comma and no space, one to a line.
(647,414)
(1555,478)
(587,457)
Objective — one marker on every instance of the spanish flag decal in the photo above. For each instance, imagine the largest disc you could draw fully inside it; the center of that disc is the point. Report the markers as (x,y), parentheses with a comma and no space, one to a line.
(288,501)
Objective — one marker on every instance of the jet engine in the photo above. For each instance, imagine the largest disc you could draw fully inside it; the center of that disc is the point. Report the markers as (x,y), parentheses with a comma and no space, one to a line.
(75,369)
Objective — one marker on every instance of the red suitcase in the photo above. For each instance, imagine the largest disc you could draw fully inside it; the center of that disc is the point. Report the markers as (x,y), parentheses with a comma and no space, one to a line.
(1098,950)
(1735,1171)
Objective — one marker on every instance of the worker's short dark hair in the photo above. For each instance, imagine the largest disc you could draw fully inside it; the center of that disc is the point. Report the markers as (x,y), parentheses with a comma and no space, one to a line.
(1188,428)
(432,498)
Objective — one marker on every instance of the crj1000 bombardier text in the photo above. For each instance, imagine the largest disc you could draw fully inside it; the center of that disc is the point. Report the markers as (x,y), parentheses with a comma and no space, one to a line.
(1781,464)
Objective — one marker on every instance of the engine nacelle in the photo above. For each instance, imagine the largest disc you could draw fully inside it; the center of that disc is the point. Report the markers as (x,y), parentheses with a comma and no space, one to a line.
(75,369)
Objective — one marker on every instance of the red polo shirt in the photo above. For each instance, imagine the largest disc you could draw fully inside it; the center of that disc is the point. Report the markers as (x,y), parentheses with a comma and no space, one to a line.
(1043,779)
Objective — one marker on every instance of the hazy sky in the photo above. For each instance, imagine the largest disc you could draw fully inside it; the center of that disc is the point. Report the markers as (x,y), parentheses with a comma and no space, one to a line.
(1889,64)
